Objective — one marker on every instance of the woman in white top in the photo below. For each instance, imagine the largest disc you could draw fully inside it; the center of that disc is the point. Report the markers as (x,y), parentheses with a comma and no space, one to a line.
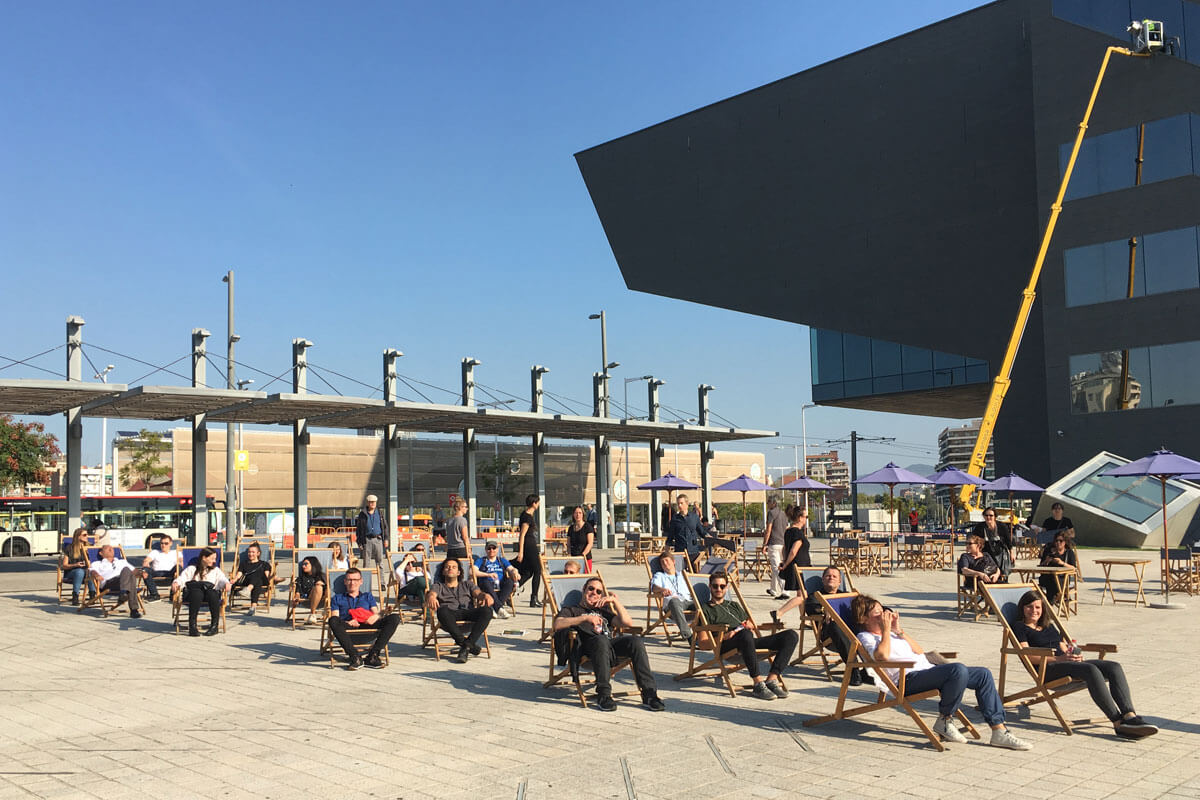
(203,582)
(339,557)
(410,573)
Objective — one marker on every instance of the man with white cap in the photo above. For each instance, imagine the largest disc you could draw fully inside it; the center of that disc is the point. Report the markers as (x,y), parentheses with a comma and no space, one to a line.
(371,532)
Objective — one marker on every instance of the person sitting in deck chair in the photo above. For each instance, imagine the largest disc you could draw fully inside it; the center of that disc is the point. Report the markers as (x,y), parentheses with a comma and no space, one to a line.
(571,567)
(673,588)
(202,582)
(497,577)
(884,639)
(161,563)
(453,600)
(117,573)
(410,574)
(359,610)
(831,583)
(976,565)
(255,573)
(593,620)
(743,636)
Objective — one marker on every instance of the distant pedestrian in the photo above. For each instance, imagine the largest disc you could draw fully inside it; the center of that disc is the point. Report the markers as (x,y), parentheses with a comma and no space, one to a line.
(913,520)
(457,531)
(777,523)
(371,532)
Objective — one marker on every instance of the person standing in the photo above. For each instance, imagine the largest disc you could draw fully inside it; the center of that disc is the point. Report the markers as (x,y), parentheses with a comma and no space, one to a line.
(581,537)
(457,531)
(795,549)
(529,560)
(773,541)
(684,535)
(371,532)
(914,520)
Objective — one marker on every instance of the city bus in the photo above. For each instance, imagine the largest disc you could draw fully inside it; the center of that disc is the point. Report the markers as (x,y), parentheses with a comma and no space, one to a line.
(33,525)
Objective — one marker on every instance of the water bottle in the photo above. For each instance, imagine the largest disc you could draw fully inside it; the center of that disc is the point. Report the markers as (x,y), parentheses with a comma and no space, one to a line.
(1075,648)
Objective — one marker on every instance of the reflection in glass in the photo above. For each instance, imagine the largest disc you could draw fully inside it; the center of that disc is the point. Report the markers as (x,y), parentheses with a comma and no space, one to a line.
(848,365)
(1135,498)
(1158,377)
(826,353)
(1165,262)
(856,357)
(1108,162)
(1096,384)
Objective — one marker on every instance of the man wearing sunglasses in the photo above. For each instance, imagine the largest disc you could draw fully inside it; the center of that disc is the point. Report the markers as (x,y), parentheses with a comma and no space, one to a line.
(593,619)
(742,635)
(497,577)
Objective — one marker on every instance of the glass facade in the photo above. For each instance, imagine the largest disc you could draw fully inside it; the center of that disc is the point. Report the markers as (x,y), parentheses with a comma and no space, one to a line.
(1163,262)
(1179,18)
(1108,162)
(1135,498)
(846,365)
(1157,377)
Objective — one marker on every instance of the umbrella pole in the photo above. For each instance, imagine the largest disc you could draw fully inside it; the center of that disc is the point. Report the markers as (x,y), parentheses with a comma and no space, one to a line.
(892,538)
(745,530)
(1164,564)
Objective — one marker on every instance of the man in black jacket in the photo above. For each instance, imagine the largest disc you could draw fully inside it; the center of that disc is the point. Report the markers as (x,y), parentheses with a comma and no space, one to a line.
(684,534)
(371,533)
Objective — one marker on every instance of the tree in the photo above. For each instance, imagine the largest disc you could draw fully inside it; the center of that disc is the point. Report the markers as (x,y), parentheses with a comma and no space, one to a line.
(497,477)
(143,463)
(26,453)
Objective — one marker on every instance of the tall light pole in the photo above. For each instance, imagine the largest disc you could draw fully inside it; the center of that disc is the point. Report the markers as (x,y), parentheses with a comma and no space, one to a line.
(628,481)
(102,376)
(605,366)
(230,383)
(241,489)
(795,460)
(804,444)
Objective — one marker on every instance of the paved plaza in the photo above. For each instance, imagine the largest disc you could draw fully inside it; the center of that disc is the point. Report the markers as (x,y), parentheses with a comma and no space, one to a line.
(116,708)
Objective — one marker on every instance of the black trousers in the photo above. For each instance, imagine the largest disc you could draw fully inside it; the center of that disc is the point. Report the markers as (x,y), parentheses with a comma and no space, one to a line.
(385,627)
(256,581)
(499,594)
(784,643)
(530,569)
(1105,682)
(479,617)
(602,652)
(829,631)
(153,575)
(200,593)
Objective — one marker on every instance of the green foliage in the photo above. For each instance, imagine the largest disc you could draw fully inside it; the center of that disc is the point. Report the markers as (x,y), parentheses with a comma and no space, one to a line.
(26,453)
(495,478)
(144,454)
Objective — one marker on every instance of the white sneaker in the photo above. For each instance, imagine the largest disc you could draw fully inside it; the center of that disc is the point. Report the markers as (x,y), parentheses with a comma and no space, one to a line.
(1002,737)
(503,613)
(948,731)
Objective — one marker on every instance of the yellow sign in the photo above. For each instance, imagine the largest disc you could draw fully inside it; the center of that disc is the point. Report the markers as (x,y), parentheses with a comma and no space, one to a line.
(241,460)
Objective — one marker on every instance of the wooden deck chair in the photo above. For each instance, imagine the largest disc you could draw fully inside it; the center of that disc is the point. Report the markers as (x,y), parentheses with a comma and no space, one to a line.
(267,547)
(655,601)
(809,580)
(633,548)
(726,565)
(707,640)
(844,554)
(363,638)
(1003,599)
(1179,567)
(915,552)
(187,555)
(94,597)
(555,566)
(942,549)
(324,557)
(878,559)
(64,542)
(407,607)
(970,600)
(165,583)
(443,645)
(890,693)
(758,565)
(566,661)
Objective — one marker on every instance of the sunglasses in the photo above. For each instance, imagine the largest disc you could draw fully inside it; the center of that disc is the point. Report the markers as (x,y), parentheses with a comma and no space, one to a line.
(491,547)
(718,586)
(594,590)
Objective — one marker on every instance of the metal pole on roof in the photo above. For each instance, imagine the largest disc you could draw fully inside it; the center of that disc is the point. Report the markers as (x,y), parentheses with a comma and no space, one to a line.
(469,443)
(706,454)
(200,448)
(603,533)
(537,406)
(628,478)
(390,455)
(656,454)
(74,425)
(300,440)
(230,383)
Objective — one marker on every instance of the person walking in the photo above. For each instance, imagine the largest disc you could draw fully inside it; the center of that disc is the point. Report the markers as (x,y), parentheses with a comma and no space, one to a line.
(777,523)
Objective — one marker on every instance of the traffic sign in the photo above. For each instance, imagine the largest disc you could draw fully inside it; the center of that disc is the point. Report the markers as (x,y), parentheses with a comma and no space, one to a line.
(241,460)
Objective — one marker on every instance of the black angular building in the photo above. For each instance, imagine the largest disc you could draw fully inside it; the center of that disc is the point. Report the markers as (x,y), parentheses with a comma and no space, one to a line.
(893,200)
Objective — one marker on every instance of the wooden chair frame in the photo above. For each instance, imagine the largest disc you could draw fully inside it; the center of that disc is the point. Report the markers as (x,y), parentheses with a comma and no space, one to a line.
(267,545)
(176,545)
(890,694)
(564,591)
(970,601)
(178,614)
(1002,598)
(404,604)
(1178,565)
(716,664)
(430,628)
(711,565)
(757,566)
(329,644)
(555,566)
(809,580)
(655,601)
(324,557)
(93,596)
(63,541)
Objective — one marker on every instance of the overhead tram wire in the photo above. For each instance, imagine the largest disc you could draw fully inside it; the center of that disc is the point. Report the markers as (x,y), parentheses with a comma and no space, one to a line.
(243,365)
(377,389)
(25,361)
(155,369)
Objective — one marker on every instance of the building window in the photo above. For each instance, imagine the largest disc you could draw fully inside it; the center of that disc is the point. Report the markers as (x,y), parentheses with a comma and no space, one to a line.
(1108,162)
(1167,261)
(1179,17)
(1140,377)
(847,365)
(1135,498)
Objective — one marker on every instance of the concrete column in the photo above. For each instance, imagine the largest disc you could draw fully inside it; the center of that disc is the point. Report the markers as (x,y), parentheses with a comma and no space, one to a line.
(469,444)
(200,451)
(656,454)
(390,473)
(706,454)
(300,441)
(539,447)
(74,441)
(604,535)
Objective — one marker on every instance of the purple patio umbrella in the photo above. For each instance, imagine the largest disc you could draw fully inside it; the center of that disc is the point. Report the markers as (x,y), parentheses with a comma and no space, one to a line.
(670,483)
(892,475)
(743,483)
(806,484)
(1011,483)
(953,476)
(1161,464)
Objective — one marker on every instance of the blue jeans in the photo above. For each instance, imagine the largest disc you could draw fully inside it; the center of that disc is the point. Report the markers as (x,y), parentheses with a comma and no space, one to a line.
(952,680)
(75,575)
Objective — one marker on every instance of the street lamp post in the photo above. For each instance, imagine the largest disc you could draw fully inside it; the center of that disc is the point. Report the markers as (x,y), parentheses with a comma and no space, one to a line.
(603,533)
(795,462)
(804,444)
(230,382)
(628,480)
(102,375)
(241,478)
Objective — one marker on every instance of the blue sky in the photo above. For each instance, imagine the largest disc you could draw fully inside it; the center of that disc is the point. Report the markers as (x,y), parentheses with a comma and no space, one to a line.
(389,175)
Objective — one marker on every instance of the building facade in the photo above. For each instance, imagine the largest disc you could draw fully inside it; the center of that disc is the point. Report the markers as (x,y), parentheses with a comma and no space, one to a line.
(907,187)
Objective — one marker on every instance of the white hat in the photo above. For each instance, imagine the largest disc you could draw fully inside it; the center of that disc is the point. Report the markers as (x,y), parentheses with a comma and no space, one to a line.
(372,498)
